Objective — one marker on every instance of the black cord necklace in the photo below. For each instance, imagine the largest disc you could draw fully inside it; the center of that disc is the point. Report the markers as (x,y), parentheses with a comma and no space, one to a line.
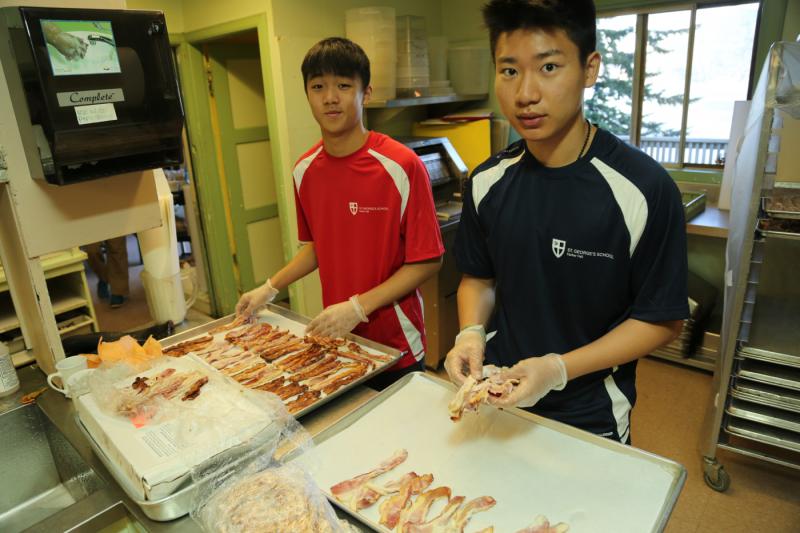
(586,140)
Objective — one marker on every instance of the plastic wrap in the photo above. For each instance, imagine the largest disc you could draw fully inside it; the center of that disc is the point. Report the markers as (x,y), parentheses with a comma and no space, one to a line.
(255,488)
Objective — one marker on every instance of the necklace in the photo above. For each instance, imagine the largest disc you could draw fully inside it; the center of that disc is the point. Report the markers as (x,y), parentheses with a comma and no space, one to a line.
(586,140)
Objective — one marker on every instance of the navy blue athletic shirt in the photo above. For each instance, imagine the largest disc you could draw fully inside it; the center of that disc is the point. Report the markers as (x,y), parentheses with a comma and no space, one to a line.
(575,251)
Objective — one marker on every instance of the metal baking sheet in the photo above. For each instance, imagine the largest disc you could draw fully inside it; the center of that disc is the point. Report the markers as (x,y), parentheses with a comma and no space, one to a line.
(762,414)
(749,352)
(782,376)
(763,434)
(294,322)
(529,464)
(766,395)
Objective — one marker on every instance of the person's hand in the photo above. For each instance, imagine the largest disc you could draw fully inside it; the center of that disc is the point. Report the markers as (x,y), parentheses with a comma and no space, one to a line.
(338,320)
(537,376)
(251,301)
(70,46)
(465,358)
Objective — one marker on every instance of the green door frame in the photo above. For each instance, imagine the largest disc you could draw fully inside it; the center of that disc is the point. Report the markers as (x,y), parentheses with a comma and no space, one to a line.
(224,291)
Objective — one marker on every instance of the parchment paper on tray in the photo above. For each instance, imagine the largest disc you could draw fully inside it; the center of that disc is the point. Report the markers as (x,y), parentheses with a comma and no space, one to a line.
(155,424)
(273,354)
(528,465)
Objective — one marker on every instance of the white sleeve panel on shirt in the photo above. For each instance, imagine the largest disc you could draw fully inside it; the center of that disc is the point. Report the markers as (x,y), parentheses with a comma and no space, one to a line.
(630,199)
(398,175)
(301,167)
(483,181)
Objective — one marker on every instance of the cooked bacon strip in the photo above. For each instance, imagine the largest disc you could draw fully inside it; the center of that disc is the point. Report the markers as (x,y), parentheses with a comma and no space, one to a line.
(191,345)
(240,320)
(140,384)
(416,514)
(303,358)
(328,342)
(328,363)
(303,401)
(289,389)
(263,377)
(350,369)
(349,492)
(194,389)
(439,523)
(273,385)
(357,358)
(356,348)
(248,363)
(404,487)
(283,349)
(542,525)
(344,378)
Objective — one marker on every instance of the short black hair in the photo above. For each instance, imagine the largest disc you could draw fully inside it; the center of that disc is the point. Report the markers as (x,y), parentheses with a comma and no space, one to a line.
(576,17)
(337,56)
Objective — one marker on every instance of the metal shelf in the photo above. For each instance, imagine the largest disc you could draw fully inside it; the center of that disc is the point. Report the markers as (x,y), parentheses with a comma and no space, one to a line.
(425,100)
(764,434)
(770,416)
(780,376)
(766,395)
(774,328)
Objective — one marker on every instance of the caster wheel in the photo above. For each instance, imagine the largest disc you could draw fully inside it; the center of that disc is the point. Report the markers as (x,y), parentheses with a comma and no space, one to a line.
(721,482)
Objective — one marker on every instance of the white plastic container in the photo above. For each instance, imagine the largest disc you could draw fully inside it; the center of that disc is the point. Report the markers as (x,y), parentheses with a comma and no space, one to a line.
(9,381)
(437,58)
(165,296)
(374,29)
(469,68)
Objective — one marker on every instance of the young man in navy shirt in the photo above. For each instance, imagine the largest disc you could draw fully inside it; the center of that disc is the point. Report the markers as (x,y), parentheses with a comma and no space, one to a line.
(572,243)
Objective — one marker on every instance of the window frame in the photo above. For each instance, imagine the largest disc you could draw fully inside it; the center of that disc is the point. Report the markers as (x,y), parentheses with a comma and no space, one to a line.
(640,63)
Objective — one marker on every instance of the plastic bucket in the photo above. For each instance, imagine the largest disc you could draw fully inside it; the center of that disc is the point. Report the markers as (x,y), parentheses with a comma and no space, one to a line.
(165,296)
(469,69)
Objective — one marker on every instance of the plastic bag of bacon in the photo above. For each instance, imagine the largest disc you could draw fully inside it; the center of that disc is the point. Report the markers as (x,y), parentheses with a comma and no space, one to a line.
(264,486)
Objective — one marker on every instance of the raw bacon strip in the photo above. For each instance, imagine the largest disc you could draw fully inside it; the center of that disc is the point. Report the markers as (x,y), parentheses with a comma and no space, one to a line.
(439,523)
(463,515)
(191,345)
(542,525)
(303,401)
(349,491)
(404,487)
(415,515)
(473,393)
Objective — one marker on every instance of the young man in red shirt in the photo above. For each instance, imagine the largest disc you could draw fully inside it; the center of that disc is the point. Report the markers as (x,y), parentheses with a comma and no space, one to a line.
(365,214)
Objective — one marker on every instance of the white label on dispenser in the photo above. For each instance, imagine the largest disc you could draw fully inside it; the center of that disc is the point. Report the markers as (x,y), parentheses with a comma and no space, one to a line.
(100,96)
(91,114)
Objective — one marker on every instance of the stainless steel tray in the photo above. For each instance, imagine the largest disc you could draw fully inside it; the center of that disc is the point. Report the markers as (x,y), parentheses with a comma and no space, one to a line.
(748,352)
(762,414)
(763,434)
(530,464)
(176,505)
(766,395)
(766,204)
(300,319)
(781,376)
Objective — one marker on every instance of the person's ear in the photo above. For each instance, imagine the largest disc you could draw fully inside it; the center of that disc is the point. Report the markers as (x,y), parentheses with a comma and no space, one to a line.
(592,69)
(367,94)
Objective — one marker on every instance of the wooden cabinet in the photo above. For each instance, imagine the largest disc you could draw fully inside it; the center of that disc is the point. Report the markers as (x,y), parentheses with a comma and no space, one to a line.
(69,295)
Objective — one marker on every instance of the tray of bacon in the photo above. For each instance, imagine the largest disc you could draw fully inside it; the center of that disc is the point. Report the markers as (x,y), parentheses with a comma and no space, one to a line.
(427,464)
(273,354)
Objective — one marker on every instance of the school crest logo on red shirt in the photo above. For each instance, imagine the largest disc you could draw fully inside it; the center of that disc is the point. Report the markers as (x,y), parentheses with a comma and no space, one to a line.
(353,208)
(558,247)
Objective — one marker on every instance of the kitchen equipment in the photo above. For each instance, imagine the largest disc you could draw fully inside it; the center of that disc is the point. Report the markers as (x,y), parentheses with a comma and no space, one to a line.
(100,87)
(530,465)
(9,382)
(374,29)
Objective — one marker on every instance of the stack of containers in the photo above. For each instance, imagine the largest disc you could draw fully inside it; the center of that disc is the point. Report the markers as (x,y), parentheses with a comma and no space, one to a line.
(469,68)
(437,59)
(413,76)
(374,29)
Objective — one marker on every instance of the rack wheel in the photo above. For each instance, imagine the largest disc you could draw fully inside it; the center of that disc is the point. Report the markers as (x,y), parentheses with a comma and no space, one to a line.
(717,478)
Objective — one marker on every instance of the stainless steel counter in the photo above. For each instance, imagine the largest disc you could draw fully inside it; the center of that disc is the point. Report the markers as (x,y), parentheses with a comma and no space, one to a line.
(110,504)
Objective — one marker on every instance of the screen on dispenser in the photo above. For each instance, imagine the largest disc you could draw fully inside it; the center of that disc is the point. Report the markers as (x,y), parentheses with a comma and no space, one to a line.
(80,47)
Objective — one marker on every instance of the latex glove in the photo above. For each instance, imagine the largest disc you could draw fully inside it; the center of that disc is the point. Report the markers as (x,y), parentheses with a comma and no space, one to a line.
(251,301)
(338,320)
(465,358)
(537,376)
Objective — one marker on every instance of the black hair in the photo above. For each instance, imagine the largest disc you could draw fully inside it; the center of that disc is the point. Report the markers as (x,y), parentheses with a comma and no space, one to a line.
(576,17)
(337,56)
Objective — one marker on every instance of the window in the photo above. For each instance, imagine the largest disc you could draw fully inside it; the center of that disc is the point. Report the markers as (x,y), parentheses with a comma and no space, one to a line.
(669,79)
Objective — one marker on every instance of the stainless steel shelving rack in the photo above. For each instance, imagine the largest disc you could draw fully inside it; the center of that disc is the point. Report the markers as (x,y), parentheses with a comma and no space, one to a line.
(756,408)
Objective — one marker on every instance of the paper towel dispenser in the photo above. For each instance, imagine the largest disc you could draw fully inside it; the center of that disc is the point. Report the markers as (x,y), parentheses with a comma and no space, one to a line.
(100,87)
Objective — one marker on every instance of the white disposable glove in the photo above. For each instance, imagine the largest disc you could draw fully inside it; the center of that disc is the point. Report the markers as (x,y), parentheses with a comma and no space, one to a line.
(251,301)
(339,319)
(465,358)
(537,376)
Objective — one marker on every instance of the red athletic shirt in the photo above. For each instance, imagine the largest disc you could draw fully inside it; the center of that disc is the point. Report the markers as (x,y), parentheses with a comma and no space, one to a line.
(367,214)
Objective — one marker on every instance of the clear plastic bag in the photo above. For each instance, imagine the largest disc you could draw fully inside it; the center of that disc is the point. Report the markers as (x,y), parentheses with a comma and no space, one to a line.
(263,486)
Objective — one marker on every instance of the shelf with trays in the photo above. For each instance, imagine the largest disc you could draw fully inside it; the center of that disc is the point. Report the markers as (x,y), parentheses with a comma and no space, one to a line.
(69,295)
(764,394)
(425,100)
